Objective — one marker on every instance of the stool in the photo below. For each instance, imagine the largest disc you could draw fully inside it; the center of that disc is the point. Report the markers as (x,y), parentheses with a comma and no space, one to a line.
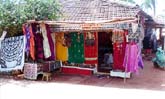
(47,76)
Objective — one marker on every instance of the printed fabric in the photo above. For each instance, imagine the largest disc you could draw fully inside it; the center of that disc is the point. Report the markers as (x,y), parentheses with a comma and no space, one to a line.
(30,43)
(30,71)
(12,53)
(118,36)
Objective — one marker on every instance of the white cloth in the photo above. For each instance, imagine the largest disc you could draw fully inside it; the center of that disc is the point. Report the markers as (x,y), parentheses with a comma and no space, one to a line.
(46,46)
(12,53)
(134,27)
(2,37)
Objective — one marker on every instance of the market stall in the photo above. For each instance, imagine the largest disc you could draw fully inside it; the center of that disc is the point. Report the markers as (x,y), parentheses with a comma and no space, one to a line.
(87,42)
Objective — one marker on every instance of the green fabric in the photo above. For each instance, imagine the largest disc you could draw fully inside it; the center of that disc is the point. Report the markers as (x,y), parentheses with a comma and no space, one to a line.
(160,57)
(76,50)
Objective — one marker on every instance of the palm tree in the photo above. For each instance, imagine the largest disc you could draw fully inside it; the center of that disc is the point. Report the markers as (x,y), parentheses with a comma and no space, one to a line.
(149,4)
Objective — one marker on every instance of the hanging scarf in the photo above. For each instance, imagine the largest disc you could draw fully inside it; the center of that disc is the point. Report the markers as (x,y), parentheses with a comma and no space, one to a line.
(47,52)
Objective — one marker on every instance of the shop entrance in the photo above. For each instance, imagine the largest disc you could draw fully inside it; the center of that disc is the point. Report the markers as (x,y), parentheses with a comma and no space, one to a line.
(105,51)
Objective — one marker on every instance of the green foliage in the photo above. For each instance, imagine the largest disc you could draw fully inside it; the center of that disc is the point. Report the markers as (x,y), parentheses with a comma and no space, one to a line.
(13,13)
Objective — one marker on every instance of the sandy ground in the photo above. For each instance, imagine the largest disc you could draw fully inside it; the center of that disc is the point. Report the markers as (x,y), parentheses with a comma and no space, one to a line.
(148,84)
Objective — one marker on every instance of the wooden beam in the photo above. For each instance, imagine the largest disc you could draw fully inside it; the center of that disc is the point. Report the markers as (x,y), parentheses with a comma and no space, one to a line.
(160,35)
(86,22)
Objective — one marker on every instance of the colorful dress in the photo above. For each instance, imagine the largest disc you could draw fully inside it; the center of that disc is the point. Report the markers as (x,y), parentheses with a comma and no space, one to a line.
(119,49)
(61,49)
(90,46)
(76,50)
(39,46)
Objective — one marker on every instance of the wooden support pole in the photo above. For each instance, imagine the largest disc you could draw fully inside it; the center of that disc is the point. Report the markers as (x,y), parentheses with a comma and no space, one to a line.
(161,38)
(160,35)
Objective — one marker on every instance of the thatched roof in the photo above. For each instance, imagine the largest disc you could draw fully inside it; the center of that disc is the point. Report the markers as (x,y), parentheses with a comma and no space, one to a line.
(78,15)
(96,10)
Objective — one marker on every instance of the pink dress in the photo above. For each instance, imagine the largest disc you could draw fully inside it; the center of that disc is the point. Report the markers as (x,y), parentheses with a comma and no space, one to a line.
(131,58)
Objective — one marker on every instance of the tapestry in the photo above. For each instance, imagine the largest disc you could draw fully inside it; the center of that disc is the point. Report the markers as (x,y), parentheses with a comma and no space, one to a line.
(12,53)
(30,71)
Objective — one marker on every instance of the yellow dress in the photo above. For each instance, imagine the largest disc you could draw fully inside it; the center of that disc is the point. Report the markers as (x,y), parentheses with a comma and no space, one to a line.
(61,50)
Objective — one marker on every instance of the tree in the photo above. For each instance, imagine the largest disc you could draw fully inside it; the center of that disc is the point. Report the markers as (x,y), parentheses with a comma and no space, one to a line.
(149,4)
(13,13)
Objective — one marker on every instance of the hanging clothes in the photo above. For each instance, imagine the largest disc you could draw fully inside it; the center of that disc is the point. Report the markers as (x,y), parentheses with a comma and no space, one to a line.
(118,56)
(118,36)
(134,27)
(39,46)
(119,49)
(90,46)
(132,59)
(50,42)
(76,50)
(67,39)
(61,49)
(26,32)
(38,38)
(12,54)
(53,35)
(139,59)
(46,46)
(141,35)
(30,43)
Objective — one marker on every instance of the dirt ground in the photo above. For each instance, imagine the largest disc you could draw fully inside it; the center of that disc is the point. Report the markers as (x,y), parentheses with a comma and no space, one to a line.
(149,83)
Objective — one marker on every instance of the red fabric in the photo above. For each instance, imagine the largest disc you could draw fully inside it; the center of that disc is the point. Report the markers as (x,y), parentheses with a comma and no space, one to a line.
(76,71)
(69,70)
(118,56)
(84,72)
(119,53)
(91,51)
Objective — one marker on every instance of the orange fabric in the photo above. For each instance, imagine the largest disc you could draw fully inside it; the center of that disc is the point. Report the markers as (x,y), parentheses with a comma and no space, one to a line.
(32,44)
(23,28)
